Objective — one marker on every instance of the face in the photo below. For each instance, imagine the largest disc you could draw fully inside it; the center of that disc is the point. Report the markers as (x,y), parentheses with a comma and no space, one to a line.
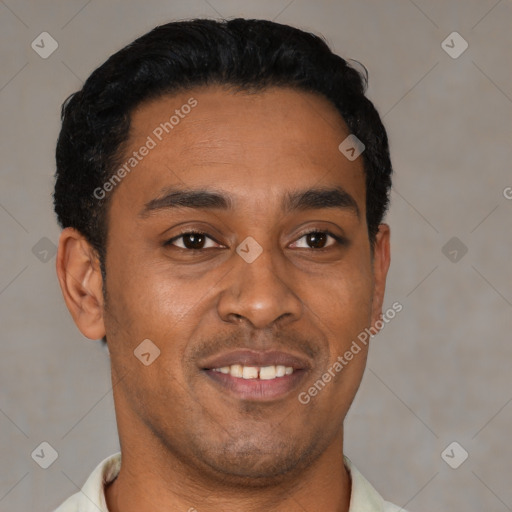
(271,276)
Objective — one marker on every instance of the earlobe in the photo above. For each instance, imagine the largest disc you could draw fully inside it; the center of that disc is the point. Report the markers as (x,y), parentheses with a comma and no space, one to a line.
(381,262)
(81,282)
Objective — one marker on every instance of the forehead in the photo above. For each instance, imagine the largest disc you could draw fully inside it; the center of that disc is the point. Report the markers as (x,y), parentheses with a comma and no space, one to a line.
(256,143)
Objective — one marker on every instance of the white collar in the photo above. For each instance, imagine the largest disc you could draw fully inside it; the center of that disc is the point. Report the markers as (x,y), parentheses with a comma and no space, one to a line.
(363,497)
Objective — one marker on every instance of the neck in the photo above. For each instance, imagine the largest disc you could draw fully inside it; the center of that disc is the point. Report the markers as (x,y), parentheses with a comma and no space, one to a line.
(160,474)
(154,479)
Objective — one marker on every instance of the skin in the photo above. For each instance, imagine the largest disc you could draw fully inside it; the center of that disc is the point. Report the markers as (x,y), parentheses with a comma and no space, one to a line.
(184,443)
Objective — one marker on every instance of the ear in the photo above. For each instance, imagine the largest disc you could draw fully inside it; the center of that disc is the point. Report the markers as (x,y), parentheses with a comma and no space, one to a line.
(381,261)
(80,279)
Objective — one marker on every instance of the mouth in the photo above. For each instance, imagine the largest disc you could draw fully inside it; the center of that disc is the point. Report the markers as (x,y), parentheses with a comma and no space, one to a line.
(256,376)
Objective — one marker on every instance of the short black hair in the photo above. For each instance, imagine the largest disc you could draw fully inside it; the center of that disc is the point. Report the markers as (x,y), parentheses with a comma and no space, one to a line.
(243,54)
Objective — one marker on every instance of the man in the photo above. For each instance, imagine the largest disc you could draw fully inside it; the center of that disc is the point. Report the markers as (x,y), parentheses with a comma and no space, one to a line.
(221,185)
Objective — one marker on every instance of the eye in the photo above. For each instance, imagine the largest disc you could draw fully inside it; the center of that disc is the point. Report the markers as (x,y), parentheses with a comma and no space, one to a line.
(191,240)
(198,240)
(316,239)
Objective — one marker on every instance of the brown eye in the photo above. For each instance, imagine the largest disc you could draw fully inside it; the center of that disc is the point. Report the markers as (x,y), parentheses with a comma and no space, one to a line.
(316,240)
(192,240)
(319,240)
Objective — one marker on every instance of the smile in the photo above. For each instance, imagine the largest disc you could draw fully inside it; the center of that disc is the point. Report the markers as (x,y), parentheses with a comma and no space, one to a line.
(255,372)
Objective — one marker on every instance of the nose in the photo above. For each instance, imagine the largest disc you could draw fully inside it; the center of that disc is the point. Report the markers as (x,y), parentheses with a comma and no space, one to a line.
(259,292)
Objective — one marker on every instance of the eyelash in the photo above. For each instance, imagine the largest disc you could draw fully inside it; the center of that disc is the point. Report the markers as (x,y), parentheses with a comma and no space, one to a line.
(339,240)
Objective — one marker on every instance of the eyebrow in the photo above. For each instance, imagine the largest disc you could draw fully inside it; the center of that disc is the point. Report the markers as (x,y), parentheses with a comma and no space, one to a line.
(299,200)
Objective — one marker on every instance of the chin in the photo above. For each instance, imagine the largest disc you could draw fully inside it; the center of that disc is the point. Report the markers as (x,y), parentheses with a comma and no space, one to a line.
(254,464)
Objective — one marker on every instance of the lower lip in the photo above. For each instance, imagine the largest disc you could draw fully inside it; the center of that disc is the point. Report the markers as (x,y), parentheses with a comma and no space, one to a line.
(257,389)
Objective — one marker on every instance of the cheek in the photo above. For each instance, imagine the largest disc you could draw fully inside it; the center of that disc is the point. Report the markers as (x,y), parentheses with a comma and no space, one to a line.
(344,299)
(344,311)
(147,300)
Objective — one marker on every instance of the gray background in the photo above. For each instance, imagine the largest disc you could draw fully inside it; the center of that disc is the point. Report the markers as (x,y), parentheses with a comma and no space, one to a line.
(439,372)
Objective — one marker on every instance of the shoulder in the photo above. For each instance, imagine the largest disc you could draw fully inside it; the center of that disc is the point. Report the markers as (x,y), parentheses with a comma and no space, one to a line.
(91,497)
(389,507)
(70,505)
(364,497)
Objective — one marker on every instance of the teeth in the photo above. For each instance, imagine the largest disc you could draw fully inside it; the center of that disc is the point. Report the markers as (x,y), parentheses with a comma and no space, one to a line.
(255,372)
(250,372)
(268,372)
(236,370)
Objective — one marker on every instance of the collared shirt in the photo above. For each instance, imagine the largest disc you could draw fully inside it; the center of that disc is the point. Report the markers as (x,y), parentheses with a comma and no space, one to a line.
(363,497)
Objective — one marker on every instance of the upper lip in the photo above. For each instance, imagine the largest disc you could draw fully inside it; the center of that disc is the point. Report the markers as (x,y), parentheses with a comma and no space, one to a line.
(255,358)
